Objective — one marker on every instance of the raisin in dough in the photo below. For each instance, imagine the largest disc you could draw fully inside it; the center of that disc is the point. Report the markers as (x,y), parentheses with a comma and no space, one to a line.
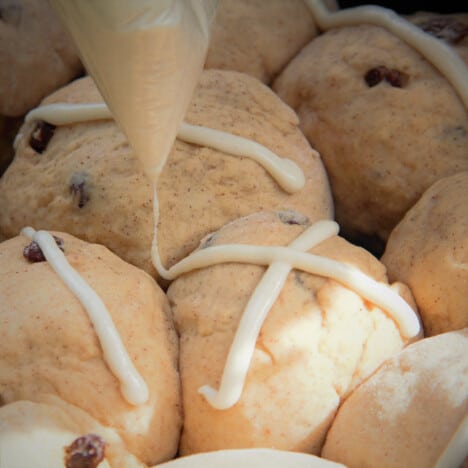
(37,55)
(37,434)
(428,250)
(382,143)
(88,182)
(407,412)
(317,343)
(48,346)
(451,28)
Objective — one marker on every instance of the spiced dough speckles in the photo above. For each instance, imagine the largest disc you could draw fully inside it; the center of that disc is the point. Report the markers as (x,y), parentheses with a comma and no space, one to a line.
(49,347)
(88,181)
(428,250)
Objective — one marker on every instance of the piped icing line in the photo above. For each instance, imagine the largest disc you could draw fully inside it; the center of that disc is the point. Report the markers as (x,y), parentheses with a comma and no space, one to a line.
(132,385)
(69,113)
(265,295)
(439,54)
(457,449)
(284,171)
(380,294)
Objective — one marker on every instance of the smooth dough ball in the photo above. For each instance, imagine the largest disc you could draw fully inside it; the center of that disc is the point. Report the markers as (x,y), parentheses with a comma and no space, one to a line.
(37,55)
(88,181)
(428,250)
(408,411)
(48,345)
(319,341)
(259,37)
(366,101)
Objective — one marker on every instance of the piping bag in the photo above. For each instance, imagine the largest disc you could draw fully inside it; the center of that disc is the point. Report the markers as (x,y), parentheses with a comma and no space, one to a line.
(146,57)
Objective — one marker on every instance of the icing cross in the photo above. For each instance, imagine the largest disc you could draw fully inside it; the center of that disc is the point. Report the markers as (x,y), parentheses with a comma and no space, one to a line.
(261,301)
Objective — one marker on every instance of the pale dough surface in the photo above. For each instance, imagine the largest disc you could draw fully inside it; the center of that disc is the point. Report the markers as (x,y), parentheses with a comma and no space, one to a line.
(318,342)
(200,189)
(428,250)
(48,345)
(406,413)
(37,55)
(36,434)
(251,458)
(382,146)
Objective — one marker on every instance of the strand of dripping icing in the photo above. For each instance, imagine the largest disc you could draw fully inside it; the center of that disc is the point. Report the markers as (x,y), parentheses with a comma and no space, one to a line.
(280,261)
(377,293)
(442,56)
(132,385)
(284,171)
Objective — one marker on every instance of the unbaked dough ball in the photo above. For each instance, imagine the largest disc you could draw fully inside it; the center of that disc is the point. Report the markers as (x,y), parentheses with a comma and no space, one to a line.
(37,55)
(407,413)
(319,341)
(428,250)
(386,123)
(87,180)
(49,347)
(259,37)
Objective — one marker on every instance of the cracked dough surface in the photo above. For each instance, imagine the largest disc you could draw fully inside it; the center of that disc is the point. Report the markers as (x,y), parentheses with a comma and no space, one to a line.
(48,345)
(318,342)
